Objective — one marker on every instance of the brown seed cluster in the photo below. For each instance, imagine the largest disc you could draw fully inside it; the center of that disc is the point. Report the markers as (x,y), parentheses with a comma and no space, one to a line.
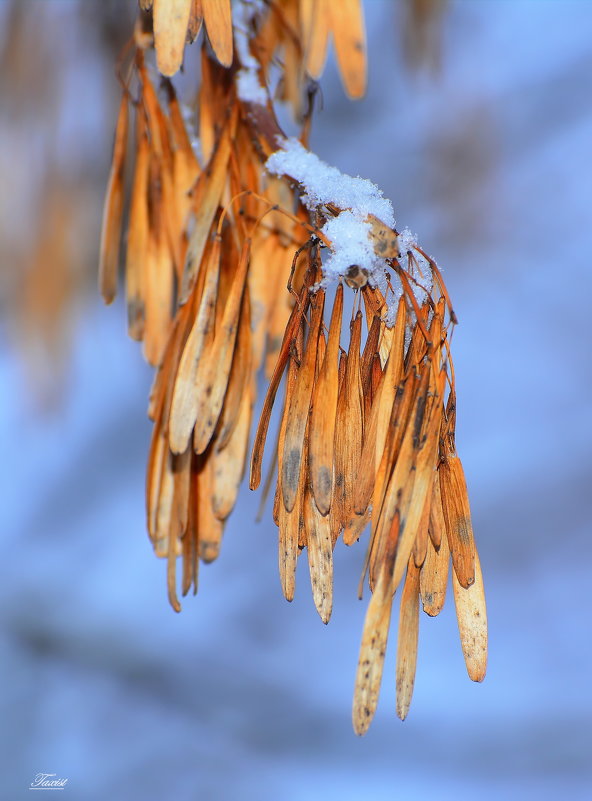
(223,277)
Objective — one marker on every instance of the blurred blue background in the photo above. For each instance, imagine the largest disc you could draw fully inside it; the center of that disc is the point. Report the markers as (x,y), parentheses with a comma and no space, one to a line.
(243,696)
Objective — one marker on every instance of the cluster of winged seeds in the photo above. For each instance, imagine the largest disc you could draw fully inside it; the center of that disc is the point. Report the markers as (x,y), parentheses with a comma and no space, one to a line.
(250,257)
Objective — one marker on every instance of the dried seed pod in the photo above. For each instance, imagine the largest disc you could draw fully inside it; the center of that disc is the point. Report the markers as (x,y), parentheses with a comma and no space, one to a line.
(218,21)
(288,521)
(171,20)
(472,623)
(372,653)
(113,208)
(320,556)
(407,642)
(297,414)
(324,411)
(138,236)
(347,25)
(459,530)
(433,577)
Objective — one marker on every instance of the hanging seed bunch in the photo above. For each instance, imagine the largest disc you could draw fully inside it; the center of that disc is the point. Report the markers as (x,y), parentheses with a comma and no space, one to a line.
(254,255)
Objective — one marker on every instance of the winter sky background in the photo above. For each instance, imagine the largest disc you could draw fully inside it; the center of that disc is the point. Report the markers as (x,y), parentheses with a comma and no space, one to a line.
(246,697)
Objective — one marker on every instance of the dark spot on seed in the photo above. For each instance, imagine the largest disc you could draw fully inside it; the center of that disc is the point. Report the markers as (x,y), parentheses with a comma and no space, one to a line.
(325,480)
(463,528)
(292,467)
(136,311)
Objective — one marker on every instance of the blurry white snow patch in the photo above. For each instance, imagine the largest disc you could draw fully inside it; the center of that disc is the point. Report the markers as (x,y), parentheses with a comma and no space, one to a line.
(249,88)
(188,115)
(247,81)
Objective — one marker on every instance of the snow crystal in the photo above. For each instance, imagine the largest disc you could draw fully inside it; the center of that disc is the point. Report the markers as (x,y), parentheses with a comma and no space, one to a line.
(407,240)
(325,184)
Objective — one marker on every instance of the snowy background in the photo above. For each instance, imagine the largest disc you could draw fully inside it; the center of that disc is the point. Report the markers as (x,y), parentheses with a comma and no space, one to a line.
(243,696)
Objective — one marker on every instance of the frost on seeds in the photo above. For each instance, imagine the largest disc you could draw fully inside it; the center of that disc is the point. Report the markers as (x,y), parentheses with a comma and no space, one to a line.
(351,245)
(324,184)
(416,265)
(357,198)
(350,232)
(407,241)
